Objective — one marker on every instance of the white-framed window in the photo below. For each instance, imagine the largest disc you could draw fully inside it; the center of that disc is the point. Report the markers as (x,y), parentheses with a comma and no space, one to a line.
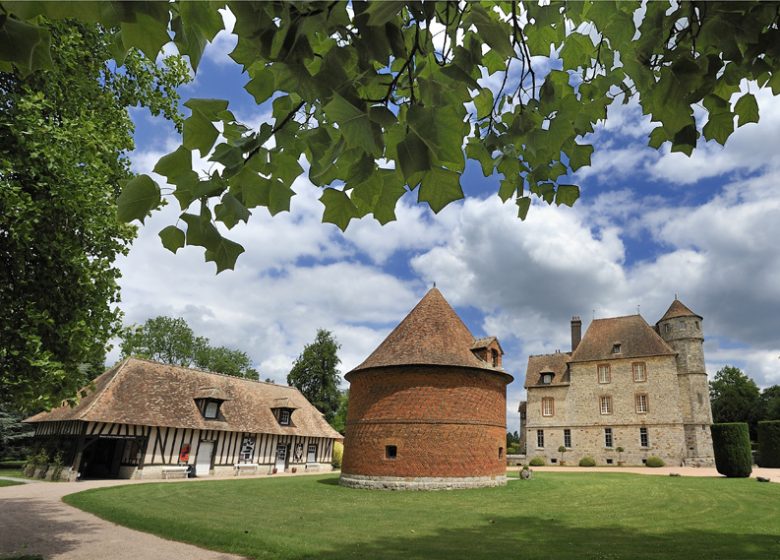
(608,437)
(212,410)
(640,372)
(604,375)
(605,402)
(284,417)
(547,378)
(644,439)
(567,438)
(540,439)
(641,403)
(548,406)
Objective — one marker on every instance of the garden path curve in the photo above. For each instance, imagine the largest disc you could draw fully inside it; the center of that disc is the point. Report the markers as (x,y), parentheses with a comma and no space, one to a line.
(35,520)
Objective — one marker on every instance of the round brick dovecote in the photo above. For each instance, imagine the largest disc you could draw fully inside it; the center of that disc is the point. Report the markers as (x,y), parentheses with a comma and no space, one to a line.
(424,426)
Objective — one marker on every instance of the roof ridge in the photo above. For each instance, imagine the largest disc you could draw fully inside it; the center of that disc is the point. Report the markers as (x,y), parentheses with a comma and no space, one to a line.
(119,369)
(199,370)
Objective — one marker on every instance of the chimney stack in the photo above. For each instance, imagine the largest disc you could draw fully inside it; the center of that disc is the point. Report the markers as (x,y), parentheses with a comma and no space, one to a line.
(576,332)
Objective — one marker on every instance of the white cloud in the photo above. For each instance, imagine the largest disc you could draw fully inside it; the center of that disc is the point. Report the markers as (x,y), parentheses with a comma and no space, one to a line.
(224,42)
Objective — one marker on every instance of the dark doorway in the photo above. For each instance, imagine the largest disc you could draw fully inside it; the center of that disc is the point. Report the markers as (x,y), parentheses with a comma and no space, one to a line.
(102,458)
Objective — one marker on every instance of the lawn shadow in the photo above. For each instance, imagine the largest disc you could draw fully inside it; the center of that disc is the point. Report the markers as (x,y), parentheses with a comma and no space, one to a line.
(32,526)
(330,481)
(529,538)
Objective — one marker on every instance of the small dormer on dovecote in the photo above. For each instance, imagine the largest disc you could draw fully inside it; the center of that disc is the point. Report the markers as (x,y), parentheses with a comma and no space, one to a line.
(488,350)
(283,410)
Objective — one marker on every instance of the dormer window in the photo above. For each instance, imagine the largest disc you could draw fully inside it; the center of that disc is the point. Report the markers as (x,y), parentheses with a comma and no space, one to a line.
(209,408)
(284,417)
(494,356)
(547,378)
(616,348)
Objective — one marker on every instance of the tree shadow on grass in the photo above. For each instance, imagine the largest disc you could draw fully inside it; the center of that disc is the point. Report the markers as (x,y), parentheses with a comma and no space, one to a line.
(528,538)
(331,481)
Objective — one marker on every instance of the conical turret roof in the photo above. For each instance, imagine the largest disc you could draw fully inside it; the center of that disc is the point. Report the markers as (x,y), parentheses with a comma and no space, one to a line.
(678,309)
(431,334)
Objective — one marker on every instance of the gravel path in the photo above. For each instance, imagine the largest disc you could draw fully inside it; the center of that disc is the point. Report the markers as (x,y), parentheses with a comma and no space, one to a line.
(35,520)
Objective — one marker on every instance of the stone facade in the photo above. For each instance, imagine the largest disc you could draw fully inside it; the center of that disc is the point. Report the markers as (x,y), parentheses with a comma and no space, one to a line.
(625,385)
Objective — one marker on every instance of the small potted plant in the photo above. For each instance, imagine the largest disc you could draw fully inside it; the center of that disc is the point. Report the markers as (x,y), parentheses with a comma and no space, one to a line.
(562,450)
(620,456)
(295,469)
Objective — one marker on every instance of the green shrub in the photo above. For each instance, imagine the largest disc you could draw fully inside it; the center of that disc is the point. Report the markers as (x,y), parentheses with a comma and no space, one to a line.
(769,443)
(338,454)
(587,461)
(654,462)
(537,461)
(731,443)
(513,449)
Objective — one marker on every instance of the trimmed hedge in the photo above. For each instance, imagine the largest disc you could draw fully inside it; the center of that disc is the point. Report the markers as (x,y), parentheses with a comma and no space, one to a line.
(731,443)
(769,443)
(537,461)
(654,462)
(587,462)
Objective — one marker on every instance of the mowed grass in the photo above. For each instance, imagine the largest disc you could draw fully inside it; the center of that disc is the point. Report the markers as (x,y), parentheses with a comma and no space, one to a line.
(553,516)
(8,483)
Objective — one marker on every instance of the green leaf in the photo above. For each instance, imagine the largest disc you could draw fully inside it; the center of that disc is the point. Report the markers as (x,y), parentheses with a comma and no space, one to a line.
(197,24)
(492,31)
(685,140)
(579,156)
(413,156)
(25,45)
(230,211)
(440,187)
(199,133)
(657,137)
(523,204)
(357,128)
(379,13)
(261,86)
(140,196)
(175,164)
(567,194)
(200,229)
(484,103)
(719,127)
(146,33)
(577,51)
(223,252)
(172,238)
(339,209)
(747,109)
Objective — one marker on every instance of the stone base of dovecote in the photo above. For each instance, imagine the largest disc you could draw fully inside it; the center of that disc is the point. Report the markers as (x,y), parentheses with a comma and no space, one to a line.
(419,483)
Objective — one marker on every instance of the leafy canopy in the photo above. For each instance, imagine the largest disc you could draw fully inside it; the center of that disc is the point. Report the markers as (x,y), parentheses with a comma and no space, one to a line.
(170,340)
(380,98)
(64,133)
(314,373)
(734,397)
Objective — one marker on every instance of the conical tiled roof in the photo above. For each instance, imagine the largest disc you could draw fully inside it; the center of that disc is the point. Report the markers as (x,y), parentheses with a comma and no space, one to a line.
(431,334)
(678,309)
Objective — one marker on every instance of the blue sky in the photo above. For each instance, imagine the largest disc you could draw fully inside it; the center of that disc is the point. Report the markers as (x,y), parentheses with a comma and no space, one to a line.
(649,225)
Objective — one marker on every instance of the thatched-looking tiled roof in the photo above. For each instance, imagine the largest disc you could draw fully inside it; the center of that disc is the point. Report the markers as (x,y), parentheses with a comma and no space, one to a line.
(556,363)
(632,334)
(678,309)
(147,393)
(431,334)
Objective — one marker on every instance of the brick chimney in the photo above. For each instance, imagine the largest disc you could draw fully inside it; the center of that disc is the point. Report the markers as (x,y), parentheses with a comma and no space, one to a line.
(576,332)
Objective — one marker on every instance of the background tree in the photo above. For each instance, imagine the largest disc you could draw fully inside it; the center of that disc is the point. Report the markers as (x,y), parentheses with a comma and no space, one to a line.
(381,97)
(770,403)
(735,398)
(170,340)
(315,374)
(15,436)
(64,133)
(339,422)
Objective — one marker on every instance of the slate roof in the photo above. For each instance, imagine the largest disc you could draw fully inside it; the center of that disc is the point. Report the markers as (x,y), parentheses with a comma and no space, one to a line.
(147,393)
(635,336)
(678,309)
(431,334)
(556,363)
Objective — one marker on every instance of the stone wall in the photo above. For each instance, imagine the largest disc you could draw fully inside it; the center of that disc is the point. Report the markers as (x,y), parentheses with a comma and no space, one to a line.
(420,483)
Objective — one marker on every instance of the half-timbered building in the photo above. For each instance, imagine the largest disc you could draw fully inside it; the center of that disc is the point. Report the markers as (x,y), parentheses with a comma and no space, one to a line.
(142,419)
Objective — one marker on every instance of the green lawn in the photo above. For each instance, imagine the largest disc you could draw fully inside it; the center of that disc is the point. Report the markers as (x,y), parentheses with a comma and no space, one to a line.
(11,472)
(9,483)
(601,516)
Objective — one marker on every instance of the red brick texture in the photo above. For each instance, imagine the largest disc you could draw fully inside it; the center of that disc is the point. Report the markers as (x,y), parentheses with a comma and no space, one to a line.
(445,421)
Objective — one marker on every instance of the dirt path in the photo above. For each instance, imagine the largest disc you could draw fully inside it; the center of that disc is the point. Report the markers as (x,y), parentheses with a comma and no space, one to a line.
(34,520)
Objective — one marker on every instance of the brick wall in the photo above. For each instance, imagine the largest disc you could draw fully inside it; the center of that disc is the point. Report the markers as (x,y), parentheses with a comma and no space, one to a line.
(443,422)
